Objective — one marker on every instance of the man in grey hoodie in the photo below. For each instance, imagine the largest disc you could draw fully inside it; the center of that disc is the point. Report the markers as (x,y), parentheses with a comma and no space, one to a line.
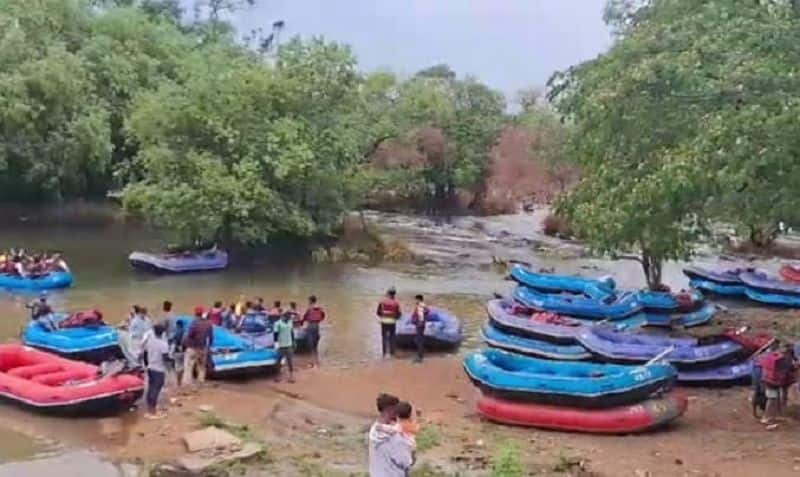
(390,454)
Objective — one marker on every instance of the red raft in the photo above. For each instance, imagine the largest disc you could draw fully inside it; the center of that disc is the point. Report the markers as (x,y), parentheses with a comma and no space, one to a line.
(49,383)
(641,417)
(790,273)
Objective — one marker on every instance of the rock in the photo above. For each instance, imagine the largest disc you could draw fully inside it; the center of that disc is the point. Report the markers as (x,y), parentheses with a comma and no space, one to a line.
(678,461)
(197,463)
(479,443)
(211,439)
(641,473)
(205,408)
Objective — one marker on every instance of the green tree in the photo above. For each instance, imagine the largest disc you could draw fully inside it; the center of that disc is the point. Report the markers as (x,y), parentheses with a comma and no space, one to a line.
(664,126)
(239,150)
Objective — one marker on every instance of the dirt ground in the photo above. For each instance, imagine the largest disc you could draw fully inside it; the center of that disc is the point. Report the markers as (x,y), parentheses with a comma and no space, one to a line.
(317,425)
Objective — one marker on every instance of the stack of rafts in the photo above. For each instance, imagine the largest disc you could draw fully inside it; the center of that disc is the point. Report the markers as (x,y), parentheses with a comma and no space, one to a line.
(550,340)
(571,396)
(757,285)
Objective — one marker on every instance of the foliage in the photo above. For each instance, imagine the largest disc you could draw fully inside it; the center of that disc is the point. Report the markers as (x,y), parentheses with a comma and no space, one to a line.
(506,462)
(684,119)
(428,438)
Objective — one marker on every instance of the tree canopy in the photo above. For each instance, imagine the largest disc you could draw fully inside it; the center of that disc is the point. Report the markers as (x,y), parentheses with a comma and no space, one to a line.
(685,120)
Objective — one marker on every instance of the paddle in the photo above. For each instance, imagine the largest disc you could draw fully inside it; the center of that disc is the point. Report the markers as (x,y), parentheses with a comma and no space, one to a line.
(660,356)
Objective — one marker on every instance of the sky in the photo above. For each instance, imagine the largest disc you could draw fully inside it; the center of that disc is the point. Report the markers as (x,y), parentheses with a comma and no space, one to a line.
(508,44)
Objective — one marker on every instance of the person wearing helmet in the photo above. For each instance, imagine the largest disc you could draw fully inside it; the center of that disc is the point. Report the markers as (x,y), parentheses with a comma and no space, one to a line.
(388,313)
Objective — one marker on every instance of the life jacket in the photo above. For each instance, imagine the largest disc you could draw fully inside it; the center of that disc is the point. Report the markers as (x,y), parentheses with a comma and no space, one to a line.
(389,310)
(215,316)
(686,302)
(419,320)
(315,314)
(775,370)
(80,319)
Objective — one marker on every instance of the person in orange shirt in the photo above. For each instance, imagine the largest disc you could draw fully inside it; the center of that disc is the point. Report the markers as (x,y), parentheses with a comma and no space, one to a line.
(408,426)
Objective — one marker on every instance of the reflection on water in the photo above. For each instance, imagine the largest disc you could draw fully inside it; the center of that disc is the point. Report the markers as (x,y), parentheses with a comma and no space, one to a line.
(20,447)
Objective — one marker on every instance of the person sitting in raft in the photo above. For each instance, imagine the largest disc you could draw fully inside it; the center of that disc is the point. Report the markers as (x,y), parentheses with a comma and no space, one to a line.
(388,313)
(229,319)
(312,318)
(418,318)
(39,307)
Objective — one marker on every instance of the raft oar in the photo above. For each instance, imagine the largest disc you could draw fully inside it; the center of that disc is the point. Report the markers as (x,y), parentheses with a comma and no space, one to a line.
(660,356)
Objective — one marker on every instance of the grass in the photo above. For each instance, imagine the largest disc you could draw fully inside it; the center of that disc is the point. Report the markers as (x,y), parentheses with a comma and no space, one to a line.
(242,431)
(506,462)
(425,469)
(428,438)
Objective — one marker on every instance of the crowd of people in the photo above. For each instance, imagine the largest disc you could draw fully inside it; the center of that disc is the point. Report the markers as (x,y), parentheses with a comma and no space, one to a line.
(170,345)
(20,263)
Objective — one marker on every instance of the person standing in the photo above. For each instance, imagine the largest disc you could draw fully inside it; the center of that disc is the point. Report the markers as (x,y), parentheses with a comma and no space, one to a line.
(418,318)
(169,320)
(388,313)
(312,318)
(156,350)
(390,454)
(284,329)
(215,314)
(198,341)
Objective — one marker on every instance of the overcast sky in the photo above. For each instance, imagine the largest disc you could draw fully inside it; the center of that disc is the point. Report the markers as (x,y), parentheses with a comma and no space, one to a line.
(509,44)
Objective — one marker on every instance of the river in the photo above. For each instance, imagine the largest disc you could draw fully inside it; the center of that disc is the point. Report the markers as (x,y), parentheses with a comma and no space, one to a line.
(455,271)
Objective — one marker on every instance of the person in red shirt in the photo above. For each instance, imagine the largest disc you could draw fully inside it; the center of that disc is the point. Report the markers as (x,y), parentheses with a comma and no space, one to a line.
(215,314)
(388,313)
(313,316)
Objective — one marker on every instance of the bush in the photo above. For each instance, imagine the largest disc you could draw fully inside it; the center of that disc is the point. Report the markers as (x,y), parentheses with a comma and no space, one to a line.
(506,462)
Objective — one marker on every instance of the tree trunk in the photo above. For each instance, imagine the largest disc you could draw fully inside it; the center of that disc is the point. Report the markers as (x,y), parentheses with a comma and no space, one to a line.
(652,267)
(761,236)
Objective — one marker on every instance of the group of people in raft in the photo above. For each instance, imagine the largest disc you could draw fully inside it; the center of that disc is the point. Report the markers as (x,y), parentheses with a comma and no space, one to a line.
(20,263)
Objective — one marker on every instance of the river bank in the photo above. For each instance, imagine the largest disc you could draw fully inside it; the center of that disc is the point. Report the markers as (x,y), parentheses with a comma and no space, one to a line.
(317,426)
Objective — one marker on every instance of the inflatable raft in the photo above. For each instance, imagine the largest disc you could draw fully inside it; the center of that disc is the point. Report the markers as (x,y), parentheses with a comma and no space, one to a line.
(50,281)
(644,416)
(179,263)
(234,355)
(621,347)
(622,306)
(51,384)
(532,347)
(763,288)
(560,330)
(665,302)
(722,281)
(442,331)
(719,375)
(93,344)
(790,273)
(551,283)
(574,384)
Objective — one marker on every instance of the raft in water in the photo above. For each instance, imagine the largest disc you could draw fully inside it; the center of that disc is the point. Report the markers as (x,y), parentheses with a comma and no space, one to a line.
(93,344)
(179,263)
(50,281)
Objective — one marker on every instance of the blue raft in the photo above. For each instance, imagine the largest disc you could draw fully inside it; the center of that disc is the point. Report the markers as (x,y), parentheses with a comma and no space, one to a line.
(725,282)
(573,384)
(769,290)
(620,347)
(233,355)
(500,316)
(598,289)
(728,374)
(698,317)
(442,331)
(179,263)
(93,344)
(256,328)
(532,347)
(50,281)
(623,305)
